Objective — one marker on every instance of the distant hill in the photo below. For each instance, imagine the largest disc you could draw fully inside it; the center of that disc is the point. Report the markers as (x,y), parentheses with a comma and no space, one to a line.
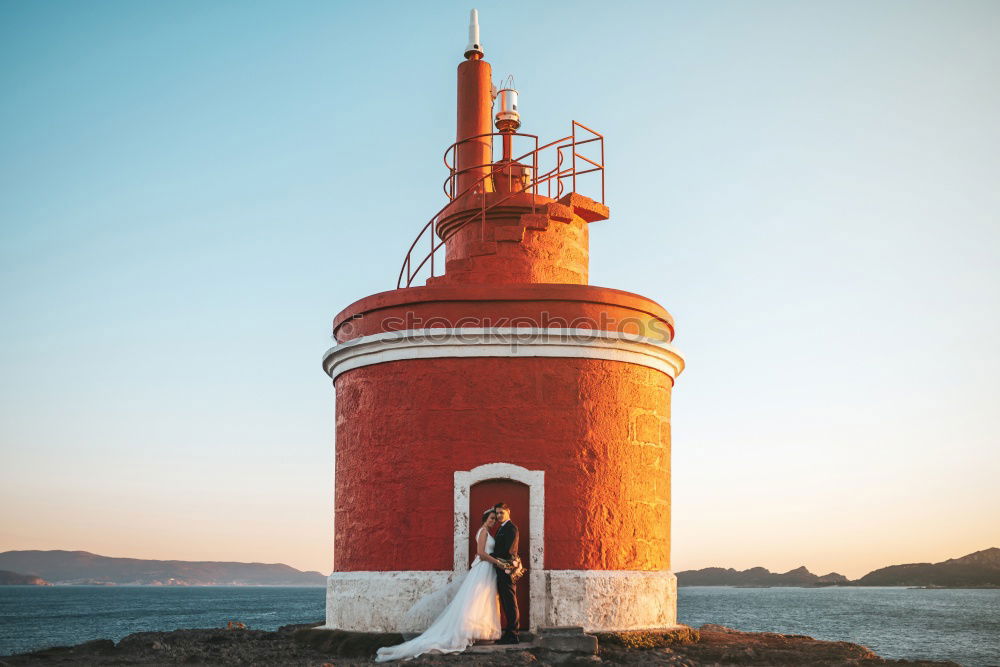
(979,569)
(82,567)
(8,578)
(756,576)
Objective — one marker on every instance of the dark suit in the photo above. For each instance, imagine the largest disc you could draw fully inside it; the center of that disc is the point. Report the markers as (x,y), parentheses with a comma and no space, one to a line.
(505,548)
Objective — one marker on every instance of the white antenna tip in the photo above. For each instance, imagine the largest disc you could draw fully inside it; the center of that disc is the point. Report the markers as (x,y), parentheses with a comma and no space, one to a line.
(475,47)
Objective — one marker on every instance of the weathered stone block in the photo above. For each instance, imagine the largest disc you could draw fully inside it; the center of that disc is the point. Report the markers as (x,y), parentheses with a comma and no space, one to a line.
(537,221)
(562,630)
(647,428)
(559,212)
(575,643)
(509,233)
(483,248)
(586,208)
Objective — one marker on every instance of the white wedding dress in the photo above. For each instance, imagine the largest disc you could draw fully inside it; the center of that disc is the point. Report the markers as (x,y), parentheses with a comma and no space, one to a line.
(474,613)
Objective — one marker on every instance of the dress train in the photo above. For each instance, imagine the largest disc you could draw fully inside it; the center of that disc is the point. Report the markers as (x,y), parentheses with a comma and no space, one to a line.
(474,613)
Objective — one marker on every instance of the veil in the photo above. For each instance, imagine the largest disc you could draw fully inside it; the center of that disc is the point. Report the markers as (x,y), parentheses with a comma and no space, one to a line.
(426,610)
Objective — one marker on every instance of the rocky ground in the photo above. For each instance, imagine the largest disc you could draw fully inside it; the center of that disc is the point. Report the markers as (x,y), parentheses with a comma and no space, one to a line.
(300,645)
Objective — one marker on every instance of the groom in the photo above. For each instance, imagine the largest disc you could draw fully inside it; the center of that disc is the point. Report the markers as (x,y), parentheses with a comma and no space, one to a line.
(505,548)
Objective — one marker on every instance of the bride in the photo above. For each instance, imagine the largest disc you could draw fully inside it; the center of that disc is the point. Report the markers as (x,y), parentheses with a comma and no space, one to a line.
(473,614)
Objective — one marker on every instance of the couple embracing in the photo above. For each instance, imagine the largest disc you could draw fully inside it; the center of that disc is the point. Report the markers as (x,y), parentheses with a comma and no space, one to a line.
(474,612)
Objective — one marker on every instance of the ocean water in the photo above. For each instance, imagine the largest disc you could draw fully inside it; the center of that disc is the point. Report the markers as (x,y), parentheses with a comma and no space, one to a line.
(958,625)
(33,617)
(953,624)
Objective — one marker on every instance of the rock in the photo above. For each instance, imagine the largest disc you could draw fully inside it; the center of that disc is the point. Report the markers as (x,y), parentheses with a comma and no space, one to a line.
(563,645)
(712,627)
(680,634)
(345,644)
(720,644)
(304,646)
(98,646)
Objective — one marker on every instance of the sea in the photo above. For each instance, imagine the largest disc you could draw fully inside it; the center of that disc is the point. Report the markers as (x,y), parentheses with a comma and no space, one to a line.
(945,624)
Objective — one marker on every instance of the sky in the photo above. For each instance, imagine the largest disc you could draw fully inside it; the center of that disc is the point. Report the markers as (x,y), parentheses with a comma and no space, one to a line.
(190,191)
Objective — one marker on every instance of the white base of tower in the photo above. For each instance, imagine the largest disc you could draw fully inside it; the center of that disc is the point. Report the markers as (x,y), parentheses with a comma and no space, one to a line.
(597,600)
(609,600)
(378,601)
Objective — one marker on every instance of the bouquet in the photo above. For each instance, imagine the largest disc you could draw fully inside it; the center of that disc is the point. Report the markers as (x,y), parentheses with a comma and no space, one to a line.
(513,567)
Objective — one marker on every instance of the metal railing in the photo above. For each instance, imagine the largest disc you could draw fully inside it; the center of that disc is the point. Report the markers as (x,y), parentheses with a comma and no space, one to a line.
(555,178)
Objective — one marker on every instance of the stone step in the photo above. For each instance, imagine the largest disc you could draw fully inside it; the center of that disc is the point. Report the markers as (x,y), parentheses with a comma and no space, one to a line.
(504,239)
(538,221)
(509,233)
(556,645)
(483,248)
(559,212)
(585,207)
(491,649)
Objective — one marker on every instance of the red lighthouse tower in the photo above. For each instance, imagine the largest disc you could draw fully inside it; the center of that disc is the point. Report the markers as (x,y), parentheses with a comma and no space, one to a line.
(505,377)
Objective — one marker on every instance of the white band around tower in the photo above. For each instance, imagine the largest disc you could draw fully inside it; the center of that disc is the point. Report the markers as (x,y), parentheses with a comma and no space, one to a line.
(503,342)
(597,600)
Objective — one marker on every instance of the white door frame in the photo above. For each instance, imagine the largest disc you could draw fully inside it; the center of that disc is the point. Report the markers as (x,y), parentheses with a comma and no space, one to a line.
(535,480)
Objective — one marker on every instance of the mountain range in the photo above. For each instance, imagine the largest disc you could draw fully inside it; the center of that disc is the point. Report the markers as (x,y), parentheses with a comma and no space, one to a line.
(83,567)
(979,569)
(976,570)
(756,576)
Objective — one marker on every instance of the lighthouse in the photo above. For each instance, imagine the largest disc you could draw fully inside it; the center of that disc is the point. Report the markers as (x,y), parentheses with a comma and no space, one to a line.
(495,372)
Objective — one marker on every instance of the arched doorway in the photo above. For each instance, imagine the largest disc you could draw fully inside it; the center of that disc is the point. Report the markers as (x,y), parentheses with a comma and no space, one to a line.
(485,494)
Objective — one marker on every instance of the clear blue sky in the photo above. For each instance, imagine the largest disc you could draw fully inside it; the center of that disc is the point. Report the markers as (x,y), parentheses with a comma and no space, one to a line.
(190,191)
